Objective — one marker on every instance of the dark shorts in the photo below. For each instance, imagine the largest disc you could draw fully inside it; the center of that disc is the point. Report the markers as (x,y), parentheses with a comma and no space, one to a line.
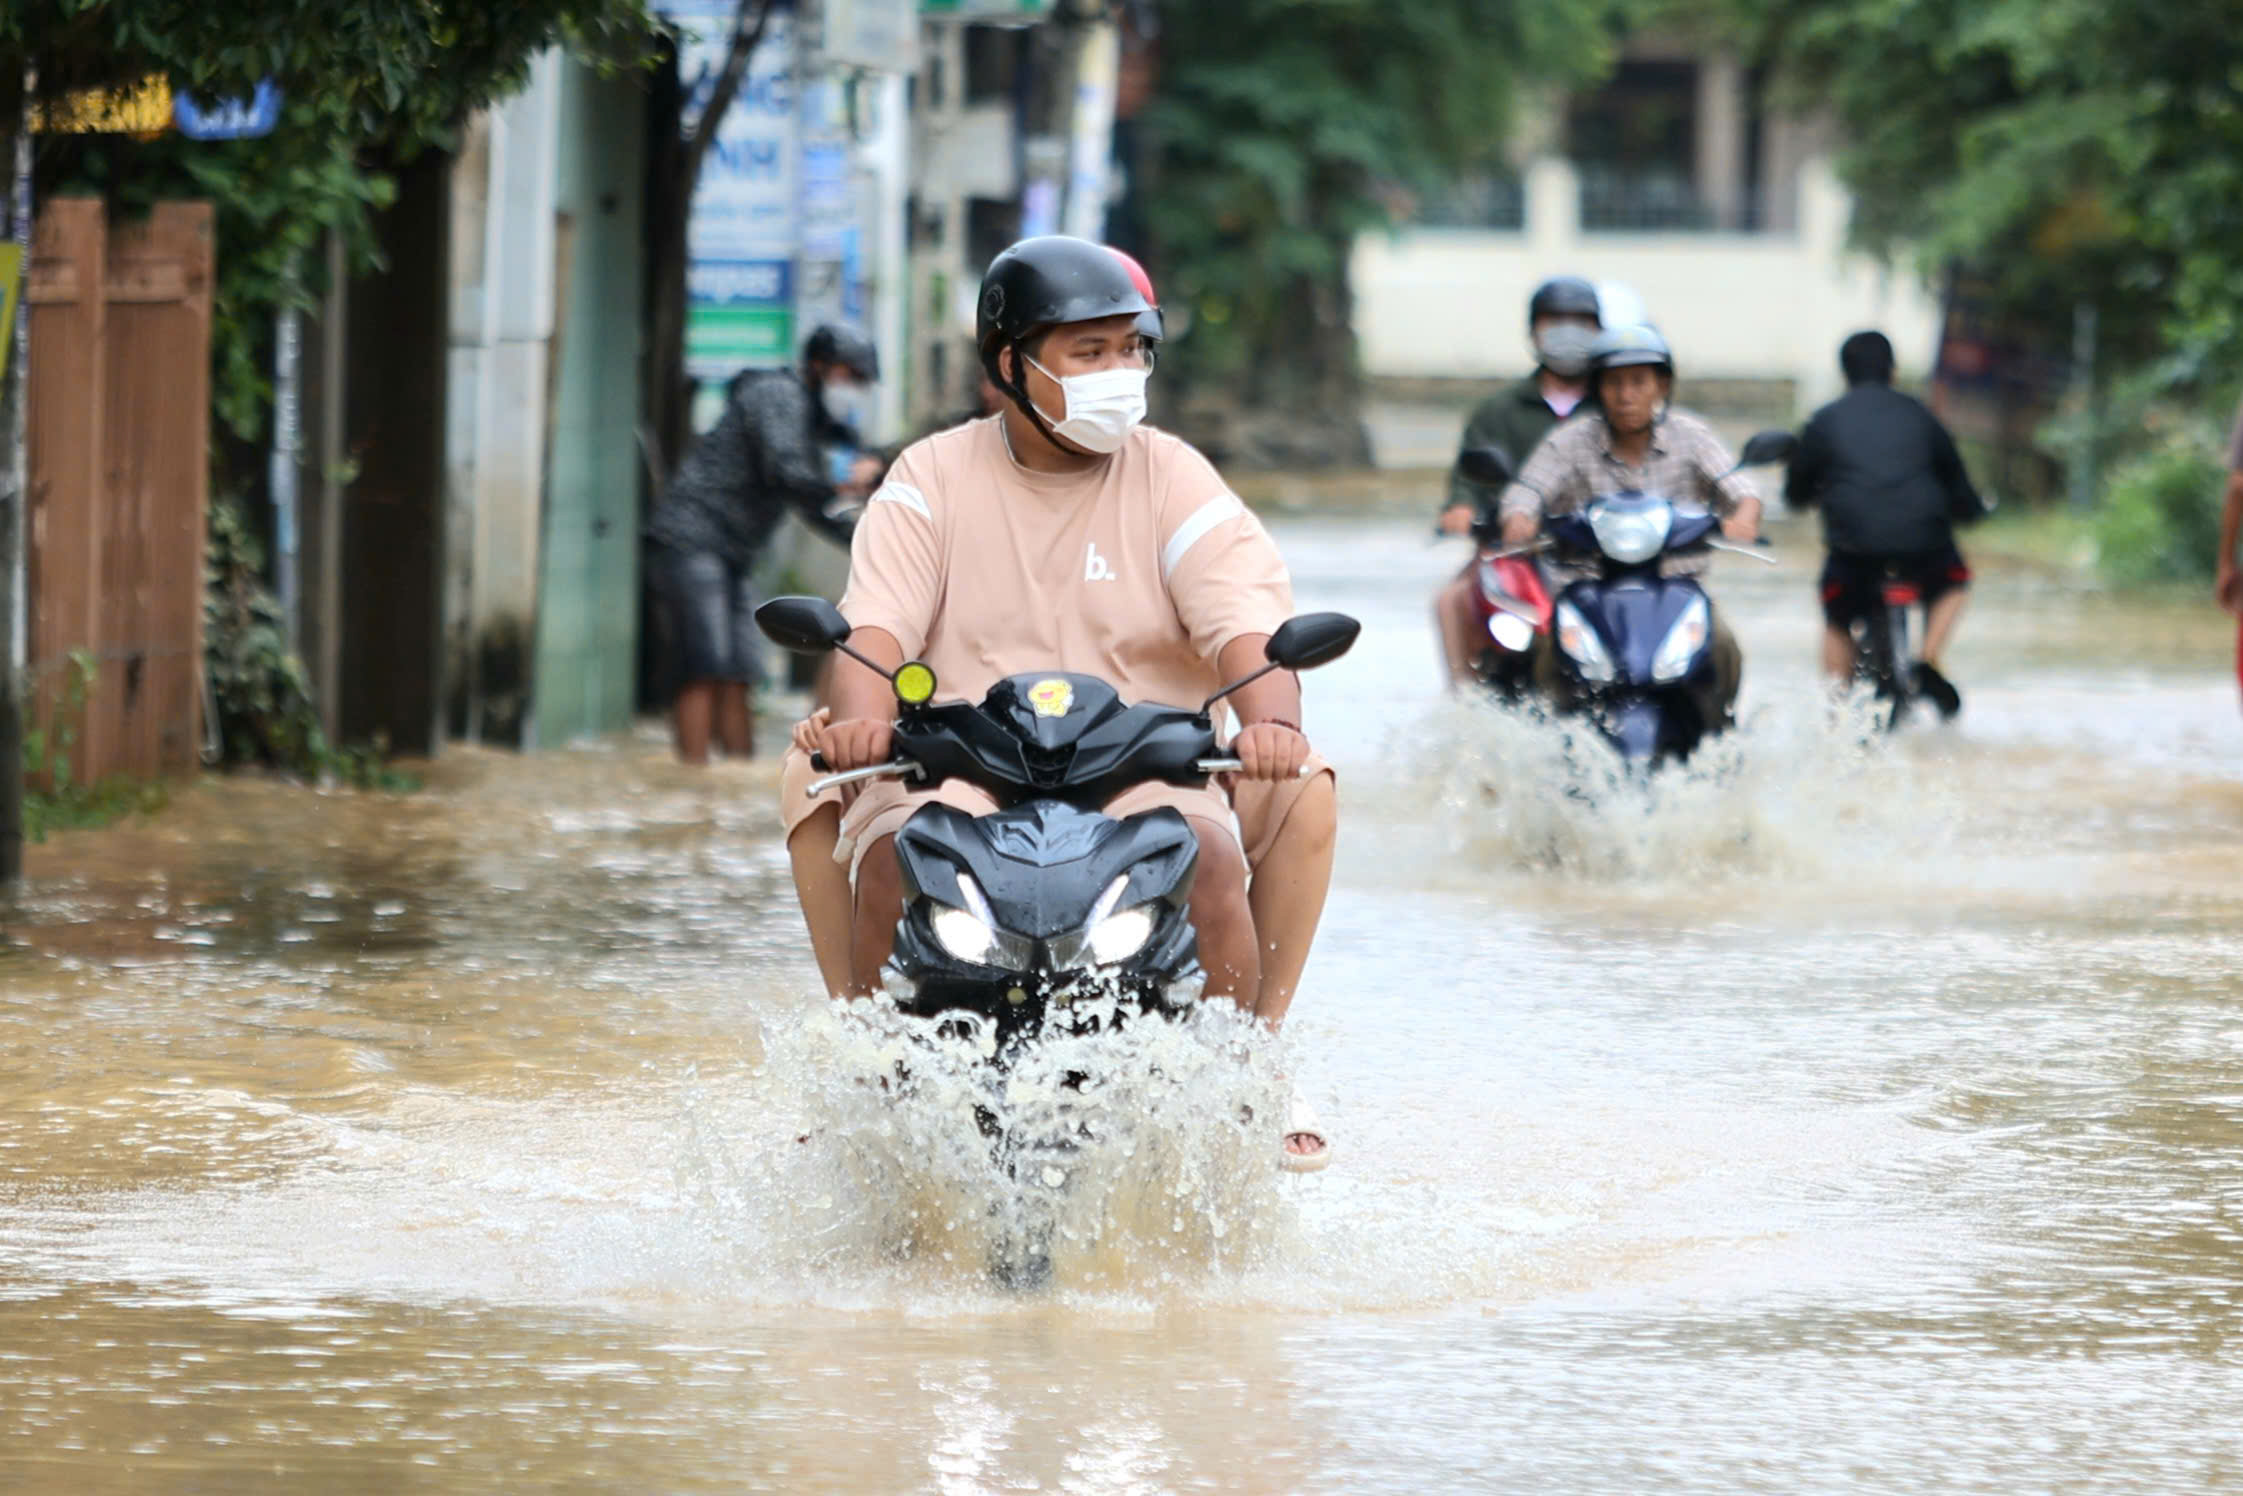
(708,611)
(1853,587)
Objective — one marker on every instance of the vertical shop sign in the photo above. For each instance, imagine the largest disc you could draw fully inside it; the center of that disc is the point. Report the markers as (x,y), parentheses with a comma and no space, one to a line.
(742,237)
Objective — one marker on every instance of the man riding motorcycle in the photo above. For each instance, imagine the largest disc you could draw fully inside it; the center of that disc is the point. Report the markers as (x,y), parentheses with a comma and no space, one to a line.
(1632,439)
(1563,320)
(1063,535)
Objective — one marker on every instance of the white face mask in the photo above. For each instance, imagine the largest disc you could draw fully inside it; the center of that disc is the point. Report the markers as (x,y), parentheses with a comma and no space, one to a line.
(1102,407)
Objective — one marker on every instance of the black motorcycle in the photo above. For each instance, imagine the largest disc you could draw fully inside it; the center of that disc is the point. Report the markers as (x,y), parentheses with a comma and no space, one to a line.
(1633,648)
(1048,910)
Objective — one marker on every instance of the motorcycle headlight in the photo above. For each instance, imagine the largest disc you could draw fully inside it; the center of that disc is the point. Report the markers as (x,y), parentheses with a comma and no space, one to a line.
(965,935)
(1684,639)
(1582,646)
(1109,936)
(971,934)
(1511,631)
(1117,937)
(1634,533)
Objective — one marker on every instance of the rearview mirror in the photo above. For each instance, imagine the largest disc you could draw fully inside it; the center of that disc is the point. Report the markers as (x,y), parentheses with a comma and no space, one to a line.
(806,625)
(1768,446)
(1311,640)
(1490,467)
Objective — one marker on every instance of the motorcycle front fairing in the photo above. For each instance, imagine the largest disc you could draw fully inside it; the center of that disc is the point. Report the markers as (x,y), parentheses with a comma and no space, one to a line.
(1044,875)
(1633,616)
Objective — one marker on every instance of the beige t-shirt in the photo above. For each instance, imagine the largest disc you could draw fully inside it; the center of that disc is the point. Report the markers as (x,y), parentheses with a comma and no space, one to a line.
(1138,571)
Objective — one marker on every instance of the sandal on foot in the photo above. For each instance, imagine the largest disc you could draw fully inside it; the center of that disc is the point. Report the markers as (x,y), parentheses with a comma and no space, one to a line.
(1300,1122)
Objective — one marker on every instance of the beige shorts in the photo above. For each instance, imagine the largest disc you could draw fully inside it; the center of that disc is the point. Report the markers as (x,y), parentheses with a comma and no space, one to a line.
(1259,807)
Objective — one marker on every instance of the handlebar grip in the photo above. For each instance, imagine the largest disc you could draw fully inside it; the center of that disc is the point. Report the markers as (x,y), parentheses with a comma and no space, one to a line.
(818,762)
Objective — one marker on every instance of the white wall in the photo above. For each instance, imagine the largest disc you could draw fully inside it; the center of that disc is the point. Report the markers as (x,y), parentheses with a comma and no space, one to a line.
(503,194)
(1452,302)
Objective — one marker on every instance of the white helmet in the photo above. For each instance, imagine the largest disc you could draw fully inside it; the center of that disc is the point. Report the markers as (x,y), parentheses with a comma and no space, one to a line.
(1618,305)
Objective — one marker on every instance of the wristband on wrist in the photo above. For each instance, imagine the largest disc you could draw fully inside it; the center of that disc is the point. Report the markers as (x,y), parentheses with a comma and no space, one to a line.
(1277,722)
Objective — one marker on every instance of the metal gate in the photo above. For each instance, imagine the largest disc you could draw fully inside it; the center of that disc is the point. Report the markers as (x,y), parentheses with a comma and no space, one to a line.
(119,435)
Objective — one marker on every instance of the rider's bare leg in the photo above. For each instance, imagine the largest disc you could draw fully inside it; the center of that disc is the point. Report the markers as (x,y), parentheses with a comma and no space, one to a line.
(1287,895)
(822,885)
(1837,655)
(879,906)
(1939,623)
(1452,613)
(1222,918)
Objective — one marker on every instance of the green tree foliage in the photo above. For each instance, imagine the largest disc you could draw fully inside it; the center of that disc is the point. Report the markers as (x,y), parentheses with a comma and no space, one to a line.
(1279,130)
(2065,150)
(366,84)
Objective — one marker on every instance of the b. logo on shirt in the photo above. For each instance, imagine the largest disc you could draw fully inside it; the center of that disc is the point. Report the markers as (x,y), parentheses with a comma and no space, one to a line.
(1095,568)
(1052,698)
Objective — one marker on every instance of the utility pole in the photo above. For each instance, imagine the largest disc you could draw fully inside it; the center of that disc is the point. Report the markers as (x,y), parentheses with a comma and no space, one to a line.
(12,510)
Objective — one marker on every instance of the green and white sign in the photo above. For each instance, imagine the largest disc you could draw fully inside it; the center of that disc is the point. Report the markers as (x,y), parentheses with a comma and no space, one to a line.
(986,10)
(721,338)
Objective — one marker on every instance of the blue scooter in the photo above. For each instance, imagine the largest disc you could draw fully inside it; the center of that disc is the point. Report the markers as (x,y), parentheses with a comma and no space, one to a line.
(1634,649)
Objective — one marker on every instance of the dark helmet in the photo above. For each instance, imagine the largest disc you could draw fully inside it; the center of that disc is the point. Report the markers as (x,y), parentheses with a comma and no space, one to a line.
(1620,347)
(1563,296)
(844,348)
(1046,281)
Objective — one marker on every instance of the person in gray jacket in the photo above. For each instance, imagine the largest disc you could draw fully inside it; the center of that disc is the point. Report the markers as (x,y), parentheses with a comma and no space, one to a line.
(766,454)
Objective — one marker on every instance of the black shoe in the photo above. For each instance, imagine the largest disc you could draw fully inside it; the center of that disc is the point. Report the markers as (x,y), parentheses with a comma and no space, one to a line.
(1939,690)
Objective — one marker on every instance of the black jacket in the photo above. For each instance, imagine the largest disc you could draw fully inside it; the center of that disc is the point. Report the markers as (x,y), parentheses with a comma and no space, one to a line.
(763,456)
(1885,472)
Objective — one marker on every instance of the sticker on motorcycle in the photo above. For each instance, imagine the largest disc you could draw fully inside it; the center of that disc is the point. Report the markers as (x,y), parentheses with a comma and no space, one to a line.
(1052,698)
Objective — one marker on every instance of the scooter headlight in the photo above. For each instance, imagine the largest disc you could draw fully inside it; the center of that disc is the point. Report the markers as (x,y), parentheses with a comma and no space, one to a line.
(1117,937)
(1511,631)
(1582,646)
(1684,639)
(965,935)
(1632,533)
(971,934)
(1109,936)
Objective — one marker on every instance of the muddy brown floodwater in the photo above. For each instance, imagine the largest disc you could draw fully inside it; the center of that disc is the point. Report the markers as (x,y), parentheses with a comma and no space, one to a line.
(1839,1116)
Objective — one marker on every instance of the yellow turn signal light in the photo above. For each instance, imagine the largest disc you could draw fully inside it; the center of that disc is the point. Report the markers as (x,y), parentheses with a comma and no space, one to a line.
(915,684)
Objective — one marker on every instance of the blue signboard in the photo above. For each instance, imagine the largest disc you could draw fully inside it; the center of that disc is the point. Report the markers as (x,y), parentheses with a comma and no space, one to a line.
(229,119)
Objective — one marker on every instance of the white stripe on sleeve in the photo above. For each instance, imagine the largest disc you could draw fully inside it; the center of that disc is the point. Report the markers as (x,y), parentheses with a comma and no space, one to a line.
(1188,534)
(904,494)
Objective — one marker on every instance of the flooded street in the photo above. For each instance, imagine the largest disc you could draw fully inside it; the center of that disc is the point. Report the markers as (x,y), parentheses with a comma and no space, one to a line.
(1862,1117)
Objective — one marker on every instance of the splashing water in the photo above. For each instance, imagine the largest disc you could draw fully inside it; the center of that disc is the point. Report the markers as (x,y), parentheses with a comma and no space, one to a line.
(1787,791)
(1141,1153)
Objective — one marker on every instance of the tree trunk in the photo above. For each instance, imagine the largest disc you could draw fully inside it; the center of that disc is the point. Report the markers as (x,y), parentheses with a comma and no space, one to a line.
(674,172)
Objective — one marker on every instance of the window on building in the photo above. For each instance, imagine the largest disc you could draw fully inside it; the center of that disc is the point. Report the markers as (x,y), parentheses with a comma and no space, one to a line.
(1634,142)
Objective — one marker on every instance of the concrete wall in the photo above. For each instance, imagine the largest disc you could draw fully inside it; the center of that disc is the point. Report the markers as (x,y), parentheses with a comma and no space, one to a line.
(588,599)
(503,267)
(1451,303)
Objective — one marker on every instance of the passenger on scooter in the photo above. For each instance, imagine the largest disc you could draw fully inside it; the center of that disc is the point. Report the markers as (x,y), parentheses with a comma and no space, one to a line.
(1892,489)
(1062,534)
(1562,320)
(1633,439)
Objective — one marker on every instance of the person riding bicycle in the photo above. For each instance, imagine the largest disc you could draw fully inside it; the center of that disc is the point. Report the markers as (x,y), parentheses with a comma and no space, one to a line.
(1891,488)
(1632,439)
(1563,319)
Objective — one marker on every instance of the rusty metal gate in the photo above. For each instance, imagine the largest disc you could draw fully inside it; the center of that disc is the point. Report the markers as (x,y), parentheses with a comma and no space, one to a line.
(119,437)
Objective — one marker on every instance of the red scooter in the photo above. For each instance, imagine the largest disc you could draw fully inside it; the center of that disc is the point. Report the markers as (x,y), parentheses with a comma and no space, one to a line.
(1510,612)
